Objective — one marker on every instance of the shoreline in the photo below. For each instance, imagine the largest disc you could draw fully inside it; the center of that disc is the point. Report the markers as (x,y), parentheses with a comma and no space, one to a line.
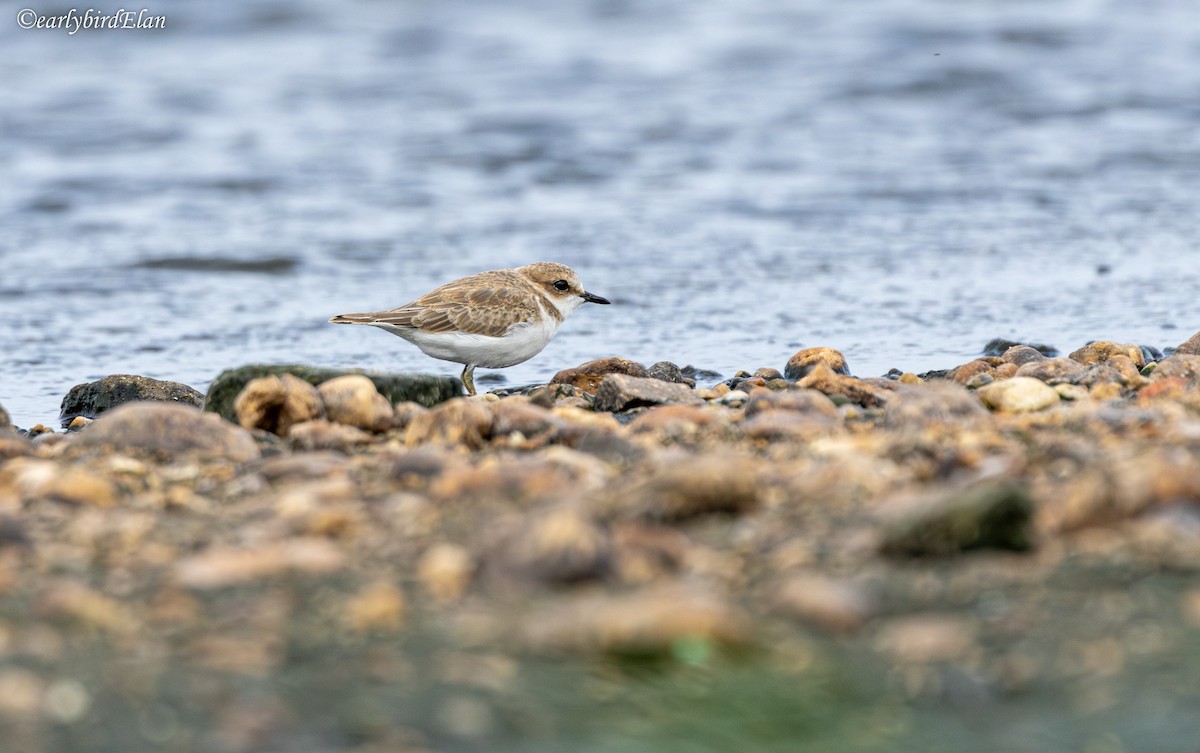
(1014,539)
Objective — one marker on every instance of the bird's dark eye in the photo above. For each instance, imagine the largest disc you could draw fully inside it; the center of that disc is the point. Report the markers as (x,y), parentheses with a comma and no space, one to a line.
(561,285)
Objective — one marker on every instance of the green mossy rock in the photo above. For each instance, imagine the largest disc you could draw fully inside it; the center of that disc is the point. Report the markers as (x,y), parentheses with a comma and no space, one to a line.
(419,388)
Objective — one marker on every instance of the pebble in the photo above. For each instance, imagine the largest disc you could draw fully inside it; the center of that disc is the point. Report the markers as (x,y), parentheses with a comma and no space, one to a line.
(834,384)
(224,567)
(1018,395)
(664,621)
(836,606)
(987,515)
(1054,370)
(462,422)
(690,487)
(560,546)
(320,434)
(377,608)
(354,401)
(1022,354)
(810,402)
(1189,347)
(620,392)
(168,430)
(588,376)
(1103,350)
(803,362)
(445,571)
(935,403)
(275,403)
(666,371)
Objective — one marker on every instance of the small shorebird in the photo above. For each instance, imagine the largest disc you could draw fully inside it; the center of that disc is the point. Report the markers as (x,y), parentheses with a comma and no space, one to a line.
(492,319)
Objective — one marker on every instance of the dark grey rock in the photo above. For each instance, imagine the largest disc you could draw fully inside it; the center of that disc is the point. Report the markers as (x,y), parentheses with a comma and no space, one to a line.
(94,398)
(620,392)
(998,346)
(668,372)
(425,389)
(987,515)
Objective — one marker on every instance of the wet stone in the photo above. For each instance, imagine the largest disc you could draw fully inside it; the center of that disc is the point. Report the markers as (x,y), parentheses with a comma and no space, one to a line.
(657,621)
(619,392)
(588,376)
(804,361)
(691,487)
(167,429)
(94,398)
(354,401)
(462,421)
(445,571)
(987,515)
(933,404)
(1018,395)
(666,371)
(1054,370)
(1178,365)
(835,385)
(1022,354)
(1102,350)
(424,389)
(556,547)
(971,371)
(1189,347)
(320,434)
(1000,346)
(275,403)
(836,606)
(798,400)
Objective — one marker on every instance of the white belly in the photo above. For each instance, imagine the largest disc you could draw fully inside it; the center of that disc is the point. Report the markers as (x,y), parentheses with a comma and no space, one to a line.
(519,344)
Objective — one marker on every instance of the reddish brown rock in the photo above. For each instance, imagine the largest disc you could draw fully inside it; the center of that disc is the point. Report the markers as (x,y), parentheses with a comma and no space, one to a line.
(275,403)
(167,429)
(354,401)
(971,370)
(588,376)
(804,361)
(1170,388)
